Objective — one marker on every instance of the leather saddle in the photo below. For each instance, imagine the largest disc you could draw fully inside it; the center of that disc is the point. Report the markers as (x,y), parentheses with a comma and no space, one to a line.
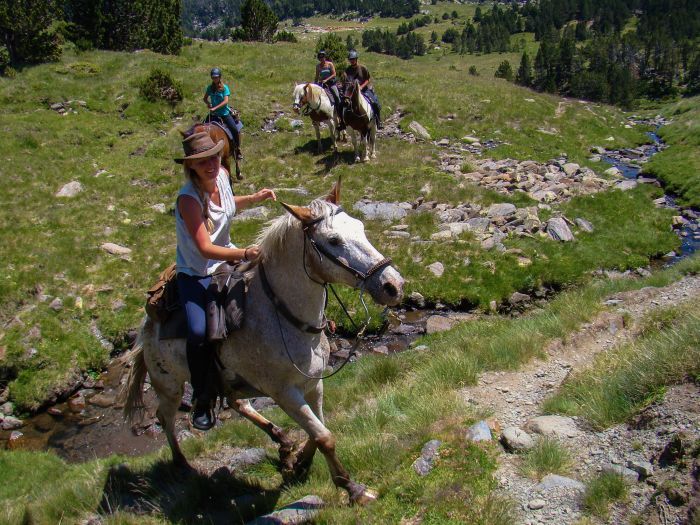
(225,307)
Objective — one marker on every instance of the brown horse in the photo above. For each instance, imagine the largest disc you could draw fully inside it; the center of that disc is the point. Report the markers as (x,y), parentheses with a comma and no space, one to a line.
(217,134)
(359,117)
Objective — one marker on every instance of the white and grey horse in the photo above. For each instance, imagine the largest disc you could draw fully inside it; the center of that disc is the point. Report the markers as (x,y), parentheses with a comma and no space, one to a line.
(281,351)
(312,100)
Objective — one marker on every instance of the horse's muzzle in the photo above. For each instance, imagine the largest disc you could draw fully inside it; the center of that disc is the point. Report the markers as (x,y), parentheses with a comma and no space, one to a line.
(296,108)
(386,286)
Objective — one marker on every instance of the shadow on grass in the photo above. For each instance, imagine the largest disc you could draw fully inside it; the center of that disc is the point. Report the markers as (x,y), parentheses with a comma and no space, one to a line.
(186,496)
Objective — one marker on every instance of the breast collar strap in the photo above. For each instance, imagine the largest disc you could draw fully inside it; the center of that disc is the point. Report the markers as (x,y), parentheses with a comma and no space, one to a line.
(322,250)
(284,310)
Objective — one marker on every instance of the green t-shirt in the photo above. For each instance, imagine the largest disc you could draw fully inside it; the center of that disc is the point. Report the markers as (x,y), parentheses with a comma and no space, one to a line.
(217,97)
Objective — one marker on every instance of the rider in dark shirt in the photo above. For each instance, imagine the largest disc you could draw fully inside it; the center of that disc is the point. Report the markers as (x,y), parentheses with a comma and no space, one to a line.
(360,72)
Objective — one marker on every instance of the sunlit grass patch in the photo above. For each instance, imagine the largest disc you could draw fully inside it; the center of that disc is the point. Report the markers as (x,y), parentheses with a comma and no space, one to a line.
(548,456)
(603,490)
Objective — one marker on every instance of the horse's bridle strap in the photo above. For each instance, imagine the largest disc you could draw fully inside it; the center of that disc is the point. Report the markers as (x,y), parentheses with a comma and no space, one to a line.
(284,310)
(362,276)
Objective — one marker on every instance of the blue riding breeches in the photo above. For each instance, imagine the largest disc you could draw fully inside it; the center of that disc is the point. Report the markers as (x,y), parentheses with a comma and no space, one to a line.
(193,299)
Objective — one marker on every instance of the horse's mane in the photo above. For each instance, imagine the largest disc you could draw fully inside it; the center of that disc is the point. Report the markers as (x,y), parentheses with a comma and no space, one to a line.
(272,239)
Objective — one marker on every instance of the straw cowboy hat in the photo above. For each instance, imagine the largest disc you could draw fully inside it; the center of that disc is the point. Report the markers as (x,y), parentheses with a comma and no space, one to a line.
(198,146)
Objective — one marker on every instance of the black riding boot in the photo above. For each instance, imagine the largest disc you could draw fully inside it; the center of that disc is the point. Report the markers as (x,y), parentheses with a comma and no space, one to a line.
(200,360)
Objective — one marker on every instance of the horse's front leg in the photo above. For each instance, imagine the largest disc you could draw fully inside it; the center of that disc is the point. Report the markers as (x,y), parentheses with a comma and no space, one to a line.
(295,405)
(365,146)
(279,436)
(317,127)
(373,142)
(331,128)
(355,146)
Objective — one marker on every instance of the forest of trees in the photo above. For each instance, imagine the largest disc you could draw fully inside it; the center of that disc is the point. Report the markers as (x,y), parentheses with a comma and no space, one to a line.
(33,32)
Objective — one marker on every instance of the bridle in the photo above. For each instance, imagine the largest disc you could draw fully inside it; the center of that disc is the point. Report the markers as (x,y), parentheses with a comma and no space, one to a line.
(354,89)
(304,105)
(321,251)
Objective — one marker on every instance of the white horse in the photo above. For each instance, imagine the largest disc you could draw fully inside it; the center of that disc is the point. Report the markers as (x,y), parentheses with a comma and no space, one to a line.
(359,116)
(281,351)
(312,100)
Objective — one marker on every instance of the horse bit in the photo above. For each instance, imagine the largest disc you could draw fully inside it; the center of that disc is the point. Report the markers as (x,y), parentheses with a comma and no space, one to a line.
(321,251)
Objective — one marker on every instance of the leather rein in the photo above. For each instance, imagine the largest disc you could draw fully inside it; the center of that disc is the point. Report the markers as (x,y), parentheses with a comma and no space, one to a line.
(282,308)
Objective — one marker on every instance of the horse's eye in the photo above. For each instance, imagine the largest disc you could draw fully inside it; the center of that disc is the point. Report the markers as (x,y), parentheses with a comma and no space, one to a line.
(334,241)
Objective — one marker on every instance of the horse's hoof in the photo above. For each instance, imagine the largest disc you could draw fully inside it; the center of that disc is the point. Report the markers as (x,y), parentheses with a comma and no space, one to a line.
(364,496)
(358,159)
(239,176)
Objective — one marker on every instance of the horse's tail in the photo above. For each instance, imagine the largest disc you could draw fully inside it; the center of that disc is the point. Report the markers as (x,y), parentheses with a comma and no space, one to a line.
(132,393)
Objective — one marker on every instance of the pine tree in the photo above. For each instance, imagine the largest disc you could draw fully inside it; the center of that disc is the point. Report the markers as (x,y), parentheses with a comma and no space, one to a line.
(504,71)
(24,30)
(258,20)
(524,75)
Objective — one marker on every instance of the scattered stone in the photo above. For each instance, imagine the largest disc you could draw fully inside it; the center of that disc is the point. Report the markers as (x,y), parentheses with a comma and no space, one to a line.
(583,224)
(436,268)
(419,131)
(16,440)
(504,209)
(438,323)
(160,207)
(469,139)
(115,249)
(613,172)
(259,212)
(417,299)
(558,230)
(443,142)
(627,184)
(385,211)
(77,402)
(247,458)
(675,450)
(424,464)
(102,400)
(300,512)
(7,408)
(381,349)
(619,470)
(643,468)
(70,189)
(570,168)
(518,297)
(296,123)
(184,435)
(479,432)
(56,305)
(553,426)
(516,439)
(536,504)
(554,481)
(10,423)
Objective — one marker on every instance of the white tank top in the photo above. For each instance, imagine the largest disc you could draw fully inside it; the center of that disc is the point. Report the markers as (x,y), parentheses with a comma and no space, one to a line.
(189,259)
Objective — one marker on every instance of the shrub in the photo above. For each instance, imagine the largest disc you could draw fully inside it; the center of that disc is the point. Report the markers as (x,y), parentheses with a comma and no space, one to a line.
(159,85)
(548,456)
(258,20)
(335,49)
(602,491)
(4,59)
(473,72)
(450,35)
(285,36)
(504,71)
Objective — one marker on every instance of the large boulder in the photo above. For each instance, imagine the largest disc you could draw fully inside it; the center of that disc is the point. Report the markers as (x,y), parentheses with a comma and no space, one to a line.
(516,439)
(558,230)
(503,209)
(419,131)
(553,426)
(70,190)
(383,211)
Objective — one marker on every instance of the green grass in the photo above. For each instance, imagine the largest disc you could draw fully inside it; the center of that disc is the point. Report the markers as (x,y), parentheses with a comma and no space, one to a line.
(624,380)
(679,165)
(382,411)
(603,490)
(548,456)
(52,246)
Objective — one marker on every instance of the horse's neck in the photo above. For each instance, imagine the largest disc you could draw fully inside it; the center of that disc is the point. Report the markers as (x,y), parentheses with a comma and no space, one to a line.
(305,298)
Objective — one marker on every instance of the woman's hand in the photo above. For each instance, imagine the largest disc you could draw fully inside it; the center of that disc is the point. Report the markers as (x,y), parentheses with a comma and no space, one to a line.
(264,194)
(251,253)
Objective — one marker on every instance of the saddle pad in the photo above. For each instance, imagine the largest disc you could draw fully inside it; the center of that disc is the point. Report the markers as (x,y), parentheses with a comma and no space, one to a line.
(175,327)
(225,128)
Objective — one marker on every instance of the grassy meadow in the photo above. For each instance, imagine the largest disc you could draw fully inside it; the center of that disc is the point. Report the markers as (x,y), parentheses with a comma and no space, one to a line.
(120,148)
(382,410)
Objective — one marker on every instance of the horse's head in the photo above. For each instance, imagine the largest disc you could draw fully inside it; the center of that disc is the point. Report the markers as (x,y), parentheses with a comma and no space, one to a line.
(350,88)
(337,250)
(301,97)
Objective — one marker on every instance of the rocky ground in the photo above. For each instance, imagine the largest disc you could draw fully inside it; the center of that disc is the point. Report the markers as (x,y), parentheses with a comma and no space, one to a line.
(652,452)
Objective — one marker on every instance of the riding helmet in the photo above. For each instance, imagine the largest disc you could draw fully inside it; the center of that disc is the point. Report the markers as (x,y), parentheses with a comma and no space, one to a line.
(320,54)
(352,54)
(216,72)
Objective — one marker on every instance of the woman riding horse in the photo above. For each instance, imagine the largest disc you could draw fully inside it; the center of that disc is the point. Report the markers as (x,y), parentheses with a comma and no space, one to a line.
(204,208)
(216,97)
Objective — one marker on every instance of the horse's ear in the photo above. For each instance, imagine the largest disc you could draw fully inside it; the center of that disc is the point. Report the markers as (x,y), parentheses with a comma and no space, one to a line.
(301,213)
(334,196)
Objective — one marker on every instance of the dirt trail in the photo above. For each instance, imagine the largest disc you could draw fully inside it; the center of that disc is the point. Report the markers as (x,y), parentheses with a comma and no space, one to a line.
(515,397)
